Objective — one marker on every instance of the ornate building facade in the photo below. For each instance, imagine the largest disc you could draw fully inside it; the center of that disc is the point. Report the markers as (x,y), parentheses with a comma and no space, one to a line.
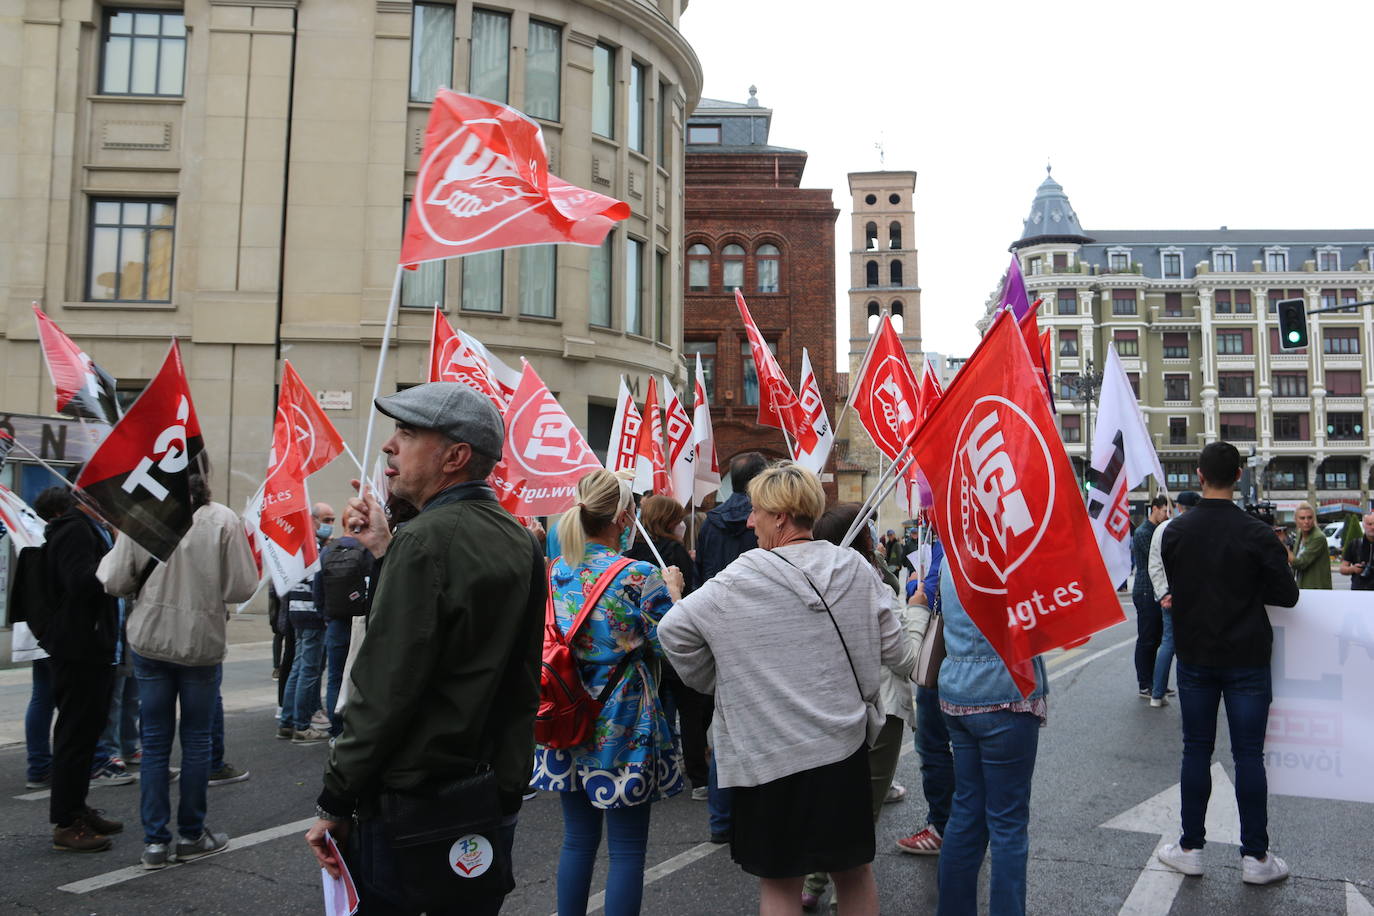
(1192,315)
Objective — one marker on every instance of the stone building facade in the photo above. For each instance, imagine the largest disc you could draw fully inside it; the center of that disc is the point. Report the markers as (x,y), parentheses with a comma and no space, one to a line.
(750,224)
(235,173)
(1192,314)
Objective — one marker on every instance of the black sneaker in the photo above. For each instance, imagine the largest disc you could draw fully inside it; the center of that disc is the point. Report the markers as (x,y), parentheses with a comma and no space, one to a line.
(207,844)
(227,774)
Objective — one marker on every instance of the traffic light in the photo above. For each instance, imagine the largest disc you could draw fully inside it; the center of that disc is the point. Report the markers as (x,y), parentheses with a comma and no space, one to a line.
(1292,324)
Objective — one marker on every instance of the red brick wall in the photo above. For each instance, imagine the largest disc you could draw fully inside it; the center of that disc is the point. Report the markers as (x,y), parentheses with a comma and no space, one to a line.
(801,222)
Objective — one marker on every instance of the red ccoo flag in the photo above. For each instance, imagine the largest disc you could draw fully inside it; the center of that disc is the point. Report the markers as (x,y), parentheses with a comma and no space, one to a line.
(1009,511)
(140,476)
(316,440)
(84,390)
(886,396)
(484,183)
(651,467)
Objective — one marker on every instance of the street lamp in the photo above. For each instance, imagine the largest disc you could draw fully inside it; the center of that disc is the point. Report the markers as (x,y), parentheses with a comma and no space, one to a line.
(1085,386)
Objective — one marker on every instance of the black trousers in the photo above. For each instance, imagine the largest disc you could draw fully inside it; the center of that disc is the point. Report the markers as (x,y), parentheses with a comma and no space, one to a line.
(1149,623)
(694,715)
(283,666)
(82,693)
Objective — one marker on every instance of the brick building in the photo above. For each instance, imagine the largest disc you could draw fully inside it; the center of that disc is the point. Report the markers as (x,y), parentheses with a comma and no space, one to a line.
(749,223)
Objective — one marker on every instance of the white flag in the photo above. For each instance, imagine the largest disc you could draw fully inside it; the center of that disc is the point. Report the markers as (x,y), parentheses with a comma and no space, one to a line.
(680,454)
(286,569)
(1123,456)
(620,451)
(23,524)
(507,379)
(707,471)
(809,394)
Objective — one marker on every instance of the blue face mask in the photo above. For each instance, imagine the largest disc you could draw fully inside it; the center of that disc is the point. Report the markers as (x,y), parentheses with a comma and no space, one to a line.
(627,538)
(324,532)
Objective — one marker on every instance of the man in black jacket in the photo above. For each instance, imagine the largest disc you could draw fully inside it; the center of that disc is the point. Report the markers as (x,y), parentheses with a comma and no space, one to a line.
(80,636)
(1223,567)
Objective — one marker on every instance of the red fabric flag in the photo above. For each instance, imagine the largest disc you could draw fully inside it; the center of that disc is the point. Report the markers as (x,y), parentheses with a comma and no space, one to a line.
(620,450)
(139,477)
(544,454)
(703,442)
(1030,332)
(914,493)
(681,457)
(1045,349)
(1009,511)
(651,467)
(84,390)
(280,513)
(484,183)
(452,360)
(778,404)
(317,441)
(886,396)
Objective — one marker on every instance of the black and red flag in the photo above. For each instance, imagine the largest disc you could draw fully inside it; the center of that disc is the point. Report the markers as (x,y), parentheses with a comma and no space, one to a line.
(139,477)
(84,390)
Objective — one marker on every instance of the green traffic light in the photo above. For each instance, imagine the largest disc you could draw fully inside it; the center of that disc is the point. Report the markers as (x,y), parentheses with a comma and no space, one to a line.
(1293,336)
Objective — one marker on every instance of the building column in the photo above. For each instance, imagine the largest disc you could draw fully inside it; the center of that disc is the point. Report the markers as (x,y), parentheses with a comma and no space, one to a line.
(1317,389)
(1207,361)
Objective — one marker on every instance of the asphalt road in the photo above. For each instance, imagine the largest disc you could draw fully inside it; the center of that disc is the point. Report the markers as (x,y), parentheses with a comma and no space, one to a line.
(1105,755)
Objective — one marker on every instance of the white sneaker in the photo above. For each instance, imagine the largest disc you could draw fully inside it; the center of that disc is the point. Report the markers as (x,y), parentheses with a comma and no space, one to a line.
(895,793)
(1263,871)
(1187,861)
(701,793)
(1157,702)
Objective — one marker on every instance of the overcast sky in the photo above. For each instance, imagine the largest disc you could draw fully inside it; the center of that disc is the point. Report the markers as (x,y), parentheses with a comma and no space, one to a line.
(1164,115)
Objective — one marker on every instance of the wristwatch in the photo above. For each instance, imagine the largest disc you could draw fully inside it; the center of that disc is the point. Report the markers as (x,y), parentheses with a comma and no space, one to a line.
(328,816)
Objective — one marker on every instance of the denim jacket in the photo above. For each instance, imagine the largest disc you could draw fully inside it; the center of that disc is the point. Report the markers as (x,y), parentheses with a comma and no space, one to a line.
(972,673)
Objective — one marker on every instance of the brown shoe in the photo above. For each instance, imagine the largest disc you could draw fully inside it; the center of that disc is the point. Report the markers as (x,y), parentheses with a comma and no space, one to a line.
(79,838)
(99,824)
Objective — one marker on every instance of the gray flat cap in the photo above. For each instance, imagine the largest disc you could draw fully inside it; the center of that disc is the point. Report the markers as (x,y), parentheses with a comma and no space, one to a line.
(451,408)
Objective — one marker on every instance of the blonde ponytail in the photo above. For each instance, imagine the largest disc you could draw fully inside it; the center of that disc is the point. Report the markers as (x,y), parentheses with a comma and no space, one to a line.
(601,497)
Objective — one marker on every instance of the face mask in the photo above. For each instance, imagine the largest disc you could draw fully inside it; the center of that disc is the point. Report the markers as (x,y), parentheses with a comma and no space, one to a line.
(324,532)
(680,531)
(626,538)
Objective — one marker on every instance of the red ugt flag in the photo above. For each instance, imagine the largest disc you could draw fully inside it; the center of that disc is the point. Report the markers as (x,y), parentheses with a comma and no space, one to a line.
(1008,509)
(452,360)
(484,183)
(316,440)
(886,396)
(140,476)
(281,514)
(651,467)
(620,451)
(83,388)
(778,405)
(544,455)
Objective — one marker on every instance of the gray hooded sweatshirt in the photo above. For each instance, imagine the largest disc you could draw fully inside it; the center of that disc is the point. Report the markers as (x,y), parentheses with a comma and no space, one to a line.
(758,637)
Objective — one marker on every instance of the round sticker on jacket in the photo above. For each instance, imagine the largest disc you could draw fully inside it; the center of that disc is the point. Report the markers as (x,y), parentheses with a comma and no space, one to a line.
(470,855)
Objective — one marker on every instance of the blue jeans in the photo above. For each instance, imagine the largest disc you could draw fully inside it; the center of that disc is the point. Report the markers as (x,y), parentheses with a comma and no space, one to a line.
(372,863)
(1164,659)
(1247,693)
(1149,626)
(302,695)
(336,638)
(120,738)
(994,760)
(162,686)
(627,838)
(718,801)
(937,762)
(217,724)
(38,722)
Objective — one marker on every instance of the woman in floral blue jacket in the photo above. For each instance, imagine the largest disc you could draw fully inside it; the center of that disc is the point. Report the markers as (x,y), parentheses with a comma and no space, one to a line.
(633,758)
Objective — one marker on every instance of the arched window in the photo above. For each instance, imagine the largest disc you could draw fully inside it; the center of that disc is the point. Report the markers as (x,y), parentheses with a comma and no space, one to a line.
(766,265)
(874,313)
(871,273)
(732,275)
(894,235)
(698,268)
(898,317)
(895,273)
(871,237)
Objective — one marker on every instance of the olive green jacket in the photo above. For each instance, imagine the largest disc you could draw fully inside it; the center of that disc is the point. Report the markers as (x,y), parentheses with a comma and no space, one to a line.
(1312,561)
(448,673)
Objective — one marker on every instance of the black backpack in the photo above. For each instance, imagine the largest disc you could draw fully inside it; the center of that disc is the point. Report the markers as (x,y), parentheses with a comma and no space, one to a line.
(29,598)
(344,574)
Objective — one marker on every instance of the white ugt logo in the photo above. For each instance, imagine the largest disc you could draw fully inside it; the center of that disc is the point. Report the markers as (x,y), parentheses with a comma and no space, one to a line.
(171,444)
(995,480)
(551,436)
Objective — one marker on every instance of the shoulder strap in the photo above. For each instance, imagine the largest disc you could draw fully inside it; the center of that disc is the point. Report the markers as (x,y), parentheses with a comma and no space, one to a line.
(847,657)
(599,587)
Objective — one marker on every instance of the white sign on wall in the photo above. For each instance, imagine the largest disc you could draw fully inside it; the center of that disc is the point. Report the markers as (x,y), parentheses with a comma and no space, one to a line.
(335,400)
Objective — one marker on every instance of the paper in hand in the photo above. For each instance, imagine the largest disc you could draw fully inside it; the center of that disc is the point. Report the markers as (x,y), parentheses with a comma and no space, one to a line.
(340,895)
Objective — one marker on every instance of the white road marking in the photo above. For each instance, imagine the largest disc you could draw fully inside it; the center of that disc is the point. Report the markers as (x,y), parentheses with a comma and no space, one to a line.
(1088,659)
(1355,904)
(119,876)
(661,870)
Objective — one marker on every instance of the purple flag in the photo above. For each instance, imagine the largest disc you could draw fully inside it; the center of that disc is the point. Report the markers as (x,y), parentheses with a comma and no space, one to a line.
(1014,291)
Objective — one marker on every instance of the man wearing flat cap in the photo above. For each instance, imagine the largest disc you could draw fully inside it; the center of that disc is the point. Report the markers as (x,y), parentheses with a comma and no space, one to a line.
(446,682)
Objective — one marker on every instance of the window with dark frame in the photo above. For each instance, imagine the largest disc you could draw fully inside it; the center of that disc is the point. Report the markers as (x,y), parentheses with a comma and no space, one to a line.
(871,273)
(1127,343)
(1328,260)
(599,284)
(1176,387)
(431,50)
(131,250)
(706,349)
(1123,302)
(1343,383)
(484,282)
(544,71)
(1236,384)
(1287,474)
(1343,426)
(749,377)
(1274,296)
(895,273)
(698,268)
(1068,342)
(1176,345)
(1276,261)
(1340,341)
(1061,261)
(1071,427)
(732,267)
(489,61)
(1134,379)
(634,127)
(1234,342)
(1118,261)
(1173,266)
(538,280)
(665,125)
(423,287)
(603,91)
(703,134)
(1180,475)
(144,53)
(661,296)
(1068,386)
(1339,474)
(1066,302)
(1173,305)
(1178,433)
(1290,384)
(1223,262)
(1292,427)
(1237,427)
(767,259)
(634,286)
(1221,302)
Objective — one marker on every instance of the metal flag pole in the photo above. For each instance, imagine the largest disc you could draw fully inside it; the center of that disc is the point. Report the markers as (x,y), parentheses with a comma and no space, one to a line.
(874,497)
(377,381)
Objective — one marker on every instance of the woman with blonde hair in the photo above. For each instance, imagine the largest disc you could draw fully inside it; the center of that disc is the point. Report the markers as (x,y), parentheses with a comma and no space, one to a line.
(632,759)
(790,637)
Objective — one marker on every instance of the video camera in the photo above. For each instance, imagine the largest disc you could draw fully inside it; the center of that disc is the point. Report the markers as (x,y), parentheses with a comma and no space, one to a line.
(1264,511)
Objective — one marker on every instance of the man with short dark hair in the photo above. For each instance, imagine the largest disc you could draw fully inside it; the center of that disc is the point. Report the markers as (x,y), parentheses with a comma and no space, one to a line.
(1358,560)
(724,535)
(1223,567)
(446,684)
(1149,619)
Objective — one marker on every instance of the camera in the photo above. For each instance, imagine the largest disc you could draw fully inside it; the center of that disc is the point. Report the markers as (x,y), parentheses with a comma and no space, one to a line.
(1264,511)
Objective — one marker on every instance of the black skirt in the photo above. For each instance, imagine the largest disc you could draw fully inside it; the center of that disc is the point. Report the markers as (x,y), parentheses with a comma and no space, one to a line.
(816,820)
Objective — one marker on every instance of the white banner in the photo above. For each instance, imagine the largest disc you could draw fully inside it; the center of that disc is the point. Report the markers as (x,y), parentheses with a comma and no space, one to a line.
(1320,740)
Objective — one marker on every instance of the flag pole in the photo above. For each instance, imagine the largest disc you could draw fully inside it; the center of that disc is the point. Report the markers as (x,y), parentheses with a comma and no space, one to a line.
(650,541)
(349,452)
(874,499)
(882,492)
(377,381)
(863,364)
(77,492)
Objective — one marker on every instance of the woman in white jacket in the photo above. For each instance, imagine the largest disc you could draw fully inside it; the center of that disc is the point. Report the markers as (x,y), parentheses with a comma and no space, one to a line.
(176,630)
(790,638)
